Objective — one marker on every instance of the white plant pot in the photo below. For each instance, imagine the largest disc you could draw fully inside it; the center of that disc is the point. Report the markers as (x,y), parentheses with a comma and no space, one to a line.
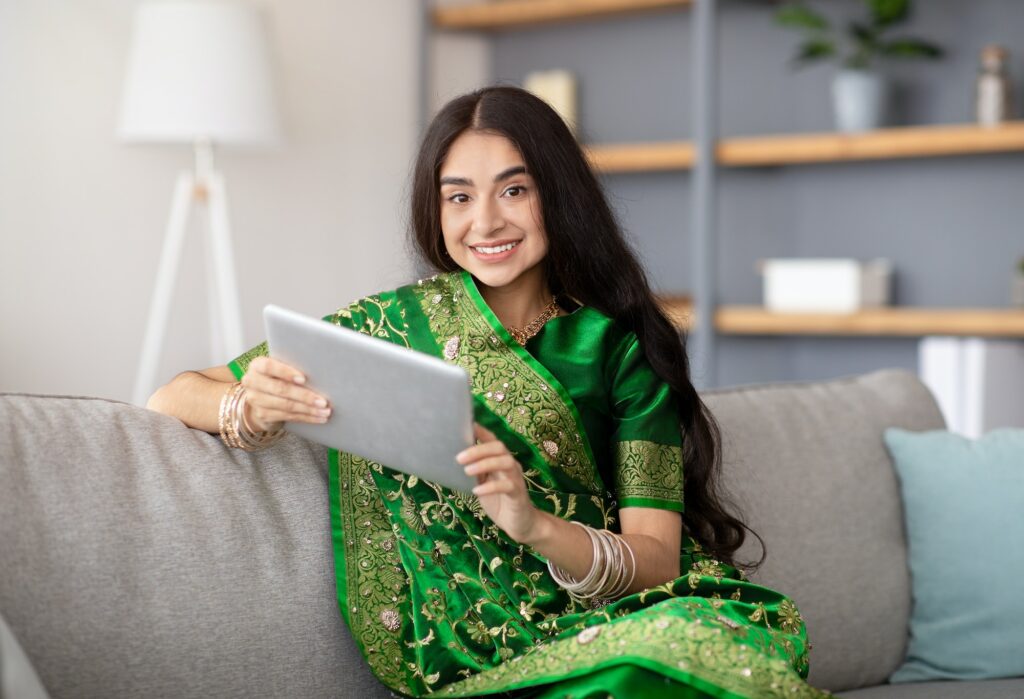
(859,99)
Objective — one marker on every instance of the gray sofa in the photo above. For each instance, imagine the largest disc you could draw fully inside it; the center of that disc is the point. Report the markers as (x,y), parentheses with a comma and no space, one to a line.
(139,558)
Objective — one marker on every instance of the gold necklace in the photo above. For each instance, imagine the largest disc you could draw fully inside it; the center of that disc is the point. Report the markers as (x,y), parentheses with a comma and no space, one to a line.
(521,335)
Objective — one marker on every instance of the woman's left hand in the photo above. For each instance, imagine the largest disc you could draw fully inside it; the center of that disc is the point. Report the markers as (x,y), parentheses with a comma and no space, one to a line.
(501,487)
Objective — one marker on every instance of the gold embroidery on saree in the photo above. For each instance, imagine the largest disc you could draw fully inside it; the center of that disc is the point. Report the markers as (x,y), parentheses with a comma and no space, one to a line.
(684,635)
(492,611)
(376,582)
(649,470)
(513,390)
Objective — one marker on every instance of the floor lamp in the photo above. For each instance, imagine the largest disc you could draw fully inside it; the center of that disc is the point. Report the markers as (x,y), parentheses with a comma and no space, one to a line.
(198,74)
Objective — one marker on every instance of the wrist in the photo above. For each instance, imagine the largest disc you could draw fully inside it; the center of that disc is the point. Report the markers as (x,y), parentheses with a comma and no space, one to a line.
(251,420)
(541,531)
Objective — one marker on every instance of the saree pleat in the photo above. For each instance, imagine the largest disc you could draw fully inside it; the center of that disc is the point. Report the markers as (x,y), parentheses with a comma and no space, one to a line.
(440,600)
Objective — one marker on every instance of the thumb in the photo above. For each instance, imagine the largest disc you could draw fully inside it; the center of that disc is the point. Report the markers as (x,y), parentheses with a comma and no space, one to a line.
(482,433)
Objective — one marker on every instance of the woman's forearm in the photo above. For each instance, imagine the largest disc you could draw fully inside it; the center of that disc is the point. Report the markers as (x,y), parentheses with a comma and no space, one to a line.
(194,397)
(569,547)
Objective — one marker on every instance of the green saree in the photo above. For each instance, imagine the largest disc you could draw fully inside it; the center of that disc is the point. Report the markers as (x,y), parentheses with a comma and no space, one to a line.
(441,601)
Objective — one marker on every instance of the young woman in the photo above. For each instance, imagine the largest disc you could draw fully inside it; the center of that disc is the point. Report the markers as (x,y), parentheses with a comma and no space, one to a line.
(580,566)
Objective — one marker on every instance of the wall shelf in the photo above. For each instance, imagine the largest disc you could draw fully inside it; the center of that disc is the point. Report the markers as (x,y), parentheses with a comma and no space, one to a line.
(882,322)
(508,14)
(642,157)
(884,144)
(758,150)
(795,149)
(894,322)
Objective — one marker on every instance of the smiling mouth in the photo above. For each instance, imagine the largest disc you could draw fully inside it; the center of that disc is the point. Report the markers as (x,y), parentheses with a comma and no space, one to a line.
(495,249)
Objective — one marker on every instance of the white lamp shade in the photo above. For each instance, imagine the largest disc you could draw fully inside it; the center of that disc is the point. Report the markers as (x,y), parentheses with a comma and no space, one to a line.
(198,71)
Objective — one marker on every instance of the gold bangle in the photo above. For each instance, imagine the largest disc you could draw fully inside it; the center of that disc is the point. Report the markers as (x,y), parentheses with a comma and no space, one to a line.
(224,415)
(235,430)
(248,438)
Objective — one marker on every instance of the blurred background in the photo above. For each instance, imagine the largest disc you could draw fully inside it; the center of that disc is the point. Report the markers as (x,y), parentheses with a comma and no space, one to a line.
(930,180)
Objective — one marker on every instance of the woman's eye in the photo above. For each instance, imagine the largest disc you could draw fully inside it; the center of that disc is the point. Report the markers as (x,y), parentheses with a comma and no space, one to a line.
(515,191)
(458,198)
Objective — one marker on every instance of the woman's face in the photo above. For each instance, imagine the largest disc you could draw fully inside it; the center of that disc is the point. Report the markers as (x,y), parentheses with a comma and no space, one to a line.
(490,210)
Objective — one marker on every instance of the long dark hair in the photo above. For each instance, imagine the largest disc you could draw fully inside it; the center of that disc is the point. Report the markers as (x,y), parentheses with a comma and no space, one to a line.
(589,260)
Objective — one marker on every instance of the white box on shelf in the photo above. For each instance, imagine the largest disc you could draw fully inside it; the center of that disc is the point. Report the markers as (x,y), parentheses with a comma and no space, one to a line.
(825,285)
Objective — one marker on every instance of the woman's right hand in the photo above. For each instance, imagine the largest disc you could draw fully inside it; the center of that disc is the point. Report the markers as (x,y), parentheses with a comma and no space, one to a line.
(275,392)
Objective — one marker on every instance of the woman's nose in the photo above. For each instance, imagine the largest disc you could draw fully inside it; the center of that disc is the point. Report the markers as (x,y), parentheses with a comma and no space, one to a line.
(487,217)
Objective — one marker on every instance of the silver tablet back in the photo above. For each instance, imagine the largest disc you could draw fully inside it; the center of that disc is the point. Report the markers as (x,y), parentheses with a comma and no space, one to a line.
(390,404)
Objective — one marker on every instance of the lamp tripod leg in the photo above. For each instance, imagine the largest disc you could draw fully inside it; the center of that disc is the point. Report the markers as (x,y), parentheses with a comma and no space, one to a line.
(230,310)
(160,306)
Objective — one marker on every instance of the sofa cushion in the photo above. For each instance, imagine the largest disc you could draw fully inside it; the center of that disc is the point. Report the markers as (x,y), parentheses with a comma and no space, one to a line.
(142,559)
(807,466)
(963,501)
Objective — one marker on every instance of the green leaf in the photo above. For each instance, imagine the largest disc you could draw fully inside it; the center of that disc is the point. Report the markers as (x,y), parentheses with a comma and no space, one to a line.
(864,35)
(814,50)
(911,48)
(800,17)
(885,13)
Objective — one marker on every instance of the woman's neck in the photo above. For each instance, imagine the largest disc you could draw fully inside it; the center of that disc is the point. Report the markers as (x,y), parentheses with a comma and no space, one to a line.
(518,303)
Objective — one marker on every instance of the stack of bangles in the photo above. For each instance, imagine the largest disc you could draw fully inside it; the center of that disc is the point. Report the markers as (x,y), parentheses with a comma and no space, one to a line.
(608,578)
(235,429)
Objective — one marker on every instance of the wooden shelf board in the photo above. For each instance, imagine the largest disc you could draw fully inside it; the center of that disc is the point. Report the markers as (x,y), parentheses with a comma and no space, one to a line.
(909,142)
(899,322)
(642,157)
(506,14)
(881,322)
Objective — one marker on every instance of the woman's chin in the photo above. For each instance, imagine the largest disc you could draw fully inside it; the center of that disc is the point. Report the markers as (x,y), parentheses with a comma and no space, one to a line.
(493,277)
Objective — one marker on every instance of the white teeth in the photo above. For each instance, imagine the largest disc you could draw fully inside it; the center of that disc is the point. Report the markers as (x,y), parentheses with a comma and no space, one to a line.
(495,250)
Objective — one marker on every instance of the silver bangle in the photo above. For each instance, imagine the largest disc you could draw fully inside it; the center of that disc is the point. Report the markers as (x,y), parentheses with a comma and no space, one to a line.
(608,577)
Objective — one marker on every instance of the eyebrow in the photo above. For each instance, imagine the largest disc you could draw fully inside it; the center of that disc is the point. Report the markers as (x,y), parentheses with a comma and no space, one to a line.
(503,175)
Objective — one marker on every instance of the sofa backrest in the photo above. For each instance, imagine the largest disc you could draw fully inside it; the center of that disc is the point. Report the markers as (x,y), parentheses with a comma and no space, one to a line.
(139,558)
(809,470)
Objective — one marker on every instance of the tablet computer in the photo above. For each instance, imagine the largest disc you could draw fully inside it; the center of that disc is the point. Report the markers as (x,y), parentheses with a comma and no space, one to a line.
(393,405)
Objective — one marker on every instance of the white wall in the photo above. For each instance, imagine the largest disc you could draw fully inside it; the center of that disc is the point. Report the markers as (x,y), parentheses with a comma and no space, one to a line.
(316,223)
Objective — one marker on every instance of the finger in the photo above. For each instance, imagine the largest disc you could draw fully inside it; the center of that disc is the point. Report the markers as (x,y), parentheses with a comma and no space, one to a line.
(264,419)
(272,416)
(277,387)
(482,433)
(480,451)
(495,487)
(263,402)
(278,369)
(492,465)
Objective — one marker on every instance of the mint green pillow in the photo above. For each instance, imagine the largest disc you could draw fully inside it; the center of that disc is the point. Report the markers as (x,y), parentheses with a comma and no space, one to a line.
(964,505)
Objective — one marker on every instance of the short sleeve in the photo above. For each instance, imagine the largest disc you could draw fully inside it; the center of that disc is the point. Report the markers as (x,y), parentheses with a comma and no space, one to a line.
(240,364)
(647,442)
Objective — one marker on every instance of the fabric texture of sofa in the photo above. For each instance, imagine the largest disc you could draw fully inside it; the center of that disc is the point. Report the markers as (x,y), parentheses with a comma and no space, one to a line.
(142,558)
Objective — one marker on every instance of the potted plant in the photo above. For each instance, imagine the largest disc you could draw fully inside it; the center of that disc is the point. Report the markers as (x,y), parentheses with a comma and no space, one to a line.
(858,89)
